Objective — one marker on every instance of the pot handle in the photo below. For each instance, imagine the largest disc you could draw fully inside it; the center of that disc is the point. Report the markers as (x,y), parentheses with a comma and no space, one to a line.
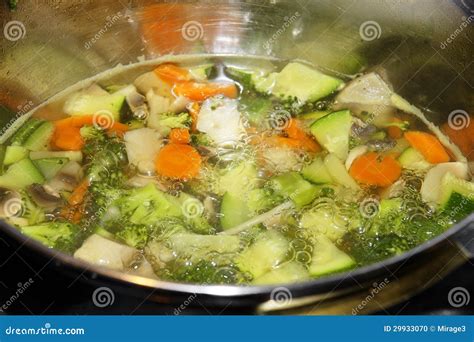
(464,239)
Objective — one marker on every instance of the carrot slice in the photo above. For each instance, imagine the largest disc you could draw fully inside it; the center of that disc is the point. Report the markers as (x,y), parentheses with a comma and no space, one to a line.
(193,110)
(68,139)
(77,196)
(72,213)
(180,136)
(198,91)
(428,145)
(178,161)
(67,134)
(171,73)
(395,132)
(462,136)
(372,169)
(294,131)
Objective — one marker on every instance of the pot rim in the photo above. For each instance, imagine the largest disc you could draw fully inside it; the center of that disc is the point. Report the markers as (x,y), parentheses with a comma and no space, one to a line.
(229,291)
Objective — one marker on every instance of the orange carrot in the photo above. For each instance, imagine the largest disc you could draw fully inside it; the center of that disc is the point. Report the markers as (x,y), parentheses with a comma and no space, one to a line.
(72,213)
(462,136)
(77,196)
(67,138)
(428,145)
(278,141)
(199,91)
(118,128)
(373,169)
(178,161)
(171,73)
(180,136)
(67,134)
(294,131)
(395,132)
(193,110)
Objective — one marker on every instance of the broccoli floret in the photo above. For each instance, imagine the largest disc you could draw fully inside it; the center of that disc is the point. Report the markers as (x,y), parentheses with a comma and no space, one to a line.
(166,121)
(200,225)
(147,205)
(167,227)
(207,272)
(59,235)
(135,235)
(393,231)
(101,197)
(366,250)
(30,211)
(106,158)
(92,132)
(201,139)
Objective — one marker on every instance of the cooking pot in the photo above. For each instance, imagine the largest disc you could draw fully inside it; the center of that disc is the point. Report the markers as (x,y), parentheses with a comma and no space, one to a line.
(424,47)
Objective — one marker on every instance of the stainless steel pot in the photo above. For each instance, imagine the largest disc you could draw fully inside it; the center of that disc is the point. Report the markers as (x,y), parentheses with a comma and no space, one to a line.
(424,47)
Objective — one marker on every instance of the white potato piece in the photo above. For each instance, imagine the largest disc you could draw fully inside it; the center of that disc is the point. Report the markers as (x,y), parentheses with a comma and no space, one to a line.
(220,119)
(142,146)
(100,251)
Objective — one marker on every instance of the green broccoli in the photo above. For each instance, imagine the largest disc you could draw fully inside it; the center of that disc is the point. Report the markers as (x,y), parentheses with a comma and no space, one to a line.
(59,235)
(99,204)
(135,235)
(166,121)
(30,211)
(392,231)
(206,272)
(92,133)
(200,225)
(201,139)
(147,205)
(106,158)
(167,227)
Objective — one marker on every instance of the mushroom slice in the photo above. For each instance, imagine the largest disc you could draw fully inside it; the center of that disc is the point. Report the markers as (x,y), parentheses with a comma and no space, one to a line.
(44,196)
(68,177)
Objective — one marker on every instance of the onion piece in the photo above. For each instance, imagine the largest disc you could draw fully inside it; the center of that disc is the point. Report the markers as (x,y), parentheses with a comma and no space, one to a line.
(354,154)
